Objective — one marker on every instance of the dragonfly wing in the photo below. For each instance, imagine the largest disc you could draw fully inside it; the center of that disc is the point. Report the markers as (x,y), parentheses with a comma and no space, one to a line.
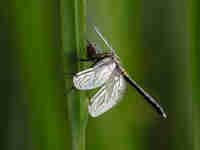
(96,76)
(103,38)
(108,96)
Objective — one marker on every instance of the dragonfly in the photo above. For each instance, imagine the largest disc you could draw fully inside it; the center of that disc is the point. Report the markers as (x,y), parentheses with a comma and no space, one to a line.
(108,75)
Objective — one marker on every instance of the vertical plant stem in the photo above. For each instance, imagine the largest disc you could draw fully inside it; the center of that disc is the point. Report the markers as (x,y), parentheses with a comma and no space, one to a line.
(80,16)
(195,59)
(73,30)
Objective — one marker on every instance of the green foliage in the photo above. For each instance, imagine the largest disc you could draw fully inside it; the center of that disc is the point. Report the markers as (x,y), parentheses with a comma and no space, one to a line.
(195,61)
(37,40)
(73,30)
(43,39)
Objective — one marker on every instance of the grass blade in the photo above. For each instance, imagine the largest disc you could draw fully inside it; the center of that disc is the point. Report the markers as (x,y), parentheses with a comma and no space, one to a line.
(73,30)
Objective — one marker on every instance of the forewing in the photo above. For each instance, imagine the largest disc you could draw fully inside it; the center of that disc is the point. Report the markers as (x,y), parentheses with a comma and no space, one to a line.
(103,38)
(94,77)
(108,96)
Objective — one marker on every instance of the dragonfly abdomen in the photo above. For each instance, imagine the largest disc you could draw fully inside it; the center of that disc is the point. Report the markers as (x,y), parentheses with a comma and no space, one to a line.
(146,96)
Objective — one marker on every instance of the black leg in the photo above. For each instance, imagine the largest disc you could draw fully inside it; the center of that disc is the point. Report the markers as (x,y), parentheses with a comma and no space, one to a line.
(86,60)
(69,90)
(69,74)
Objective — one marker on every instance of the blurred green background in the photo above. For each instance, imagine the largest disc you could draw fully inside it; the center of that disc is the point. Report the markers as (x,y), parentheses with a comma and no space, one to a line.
(157,42)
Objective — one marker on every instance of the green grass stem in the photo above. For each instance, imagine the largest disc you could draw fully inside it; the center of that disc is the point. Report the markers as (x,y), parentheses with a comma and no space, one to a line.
(73,30)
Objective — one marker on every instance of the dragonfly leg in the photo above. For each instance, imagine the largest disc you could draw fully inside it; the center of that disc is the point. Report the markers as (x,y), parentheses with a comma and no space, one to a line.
(90,103)
(69,74)
(69,90)
(86,59)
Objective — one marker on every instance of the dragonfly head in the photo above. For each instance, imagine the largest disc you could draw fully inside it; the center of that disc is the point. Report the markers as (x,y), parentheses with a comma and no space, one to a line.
(91,50)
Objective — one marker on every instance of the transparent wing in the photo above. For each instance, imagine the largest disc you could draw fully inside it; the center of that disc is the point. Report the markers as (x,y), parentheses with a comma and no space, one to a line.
(96,76)
(108,96)
(105,41)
